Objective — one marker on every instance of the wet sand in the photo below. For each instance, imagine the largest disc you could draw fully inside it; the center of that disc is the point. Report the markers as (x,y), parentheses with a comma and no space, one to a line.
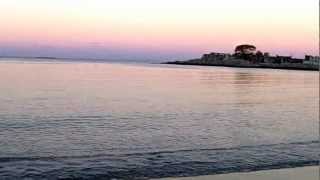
(303,173)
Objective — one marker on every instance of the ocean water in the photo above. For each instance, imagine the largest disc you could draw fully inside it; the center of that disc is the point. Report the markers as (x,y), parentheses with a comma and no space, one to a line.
(85,120)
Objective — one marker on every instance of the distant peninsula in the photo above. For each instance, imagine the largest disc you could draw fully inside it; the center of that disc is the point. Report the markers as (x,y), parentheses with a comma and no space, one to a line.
(246,56)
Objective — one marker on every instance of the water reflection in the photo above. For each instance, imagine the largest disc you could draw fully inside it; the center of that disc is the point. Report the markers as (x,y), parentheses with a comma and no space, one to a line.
(81,108)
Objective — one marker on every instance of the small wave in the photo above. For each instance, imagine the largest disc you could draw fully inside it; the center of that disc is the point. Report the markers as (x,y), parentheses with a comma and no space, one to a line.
(6,159)
(163,163)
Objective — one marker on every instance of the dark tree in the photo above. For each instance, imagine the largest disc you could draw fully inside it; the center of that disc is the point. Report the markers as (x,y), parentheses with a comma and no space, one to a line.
(259,56)
(245,51)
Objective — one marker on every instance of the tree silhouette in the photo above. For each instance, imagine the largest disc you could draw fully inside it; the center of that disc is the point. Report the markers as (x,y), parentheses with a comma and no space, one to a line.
(245,51)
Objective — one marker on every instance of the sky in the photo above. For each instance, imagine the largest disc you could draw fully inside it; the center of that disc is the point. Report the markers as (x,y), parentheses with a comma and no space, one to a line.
(156,29)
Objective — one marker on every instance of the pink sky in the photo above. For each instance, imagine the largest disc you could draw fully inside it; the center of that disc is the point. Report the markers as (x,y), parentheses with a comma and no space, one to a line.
(166,29)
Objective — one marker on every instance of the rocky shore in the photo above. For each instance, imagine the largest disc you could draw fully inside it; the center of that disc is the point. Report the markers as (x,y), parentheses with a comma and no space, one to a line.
(246,64)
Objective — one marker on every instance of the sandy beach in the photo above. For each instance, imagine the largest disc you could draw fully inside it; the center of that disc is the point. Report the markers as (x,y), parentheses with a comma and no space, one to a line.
(303,173)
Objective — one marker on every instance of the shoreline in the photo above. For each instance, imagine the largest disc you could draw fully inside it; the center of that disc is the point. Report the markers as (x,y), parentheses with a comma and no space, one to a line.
(300,67)
(303,173)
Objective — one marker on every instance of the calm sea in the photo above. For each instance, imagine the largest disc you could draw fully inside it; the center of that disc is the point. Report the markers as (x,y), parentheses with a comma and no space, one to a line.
(87,120)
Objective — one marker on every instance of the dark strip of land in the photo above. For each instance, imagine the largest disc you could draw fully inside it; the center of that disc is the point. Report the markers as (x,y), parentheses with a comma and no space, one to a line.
(239,63)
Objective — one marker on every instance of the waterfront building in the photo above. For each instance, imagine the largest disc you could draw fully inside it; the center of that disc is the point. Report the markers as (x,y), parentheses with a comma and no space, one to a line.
(314,60)
(215,57)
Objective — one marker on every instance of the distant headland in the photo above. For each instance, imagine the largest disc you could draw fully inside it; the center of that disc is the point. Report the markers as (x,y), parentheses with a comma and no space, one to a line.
(247,56)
